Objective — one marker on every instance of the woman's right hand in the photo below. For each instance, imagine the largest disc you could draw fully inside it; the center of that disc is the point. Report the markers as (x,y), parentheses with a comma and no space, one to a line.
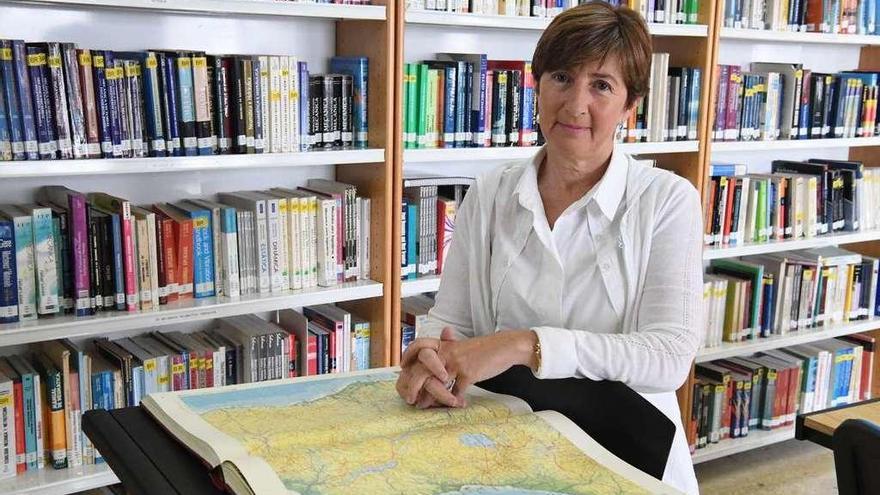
(423,376)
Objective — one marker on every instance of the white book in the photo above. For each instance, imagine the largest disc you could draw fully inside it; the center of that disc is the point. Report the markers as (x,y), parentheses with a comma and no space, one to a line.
(275,129)
(264,101)
(278,278)
(243,259)
(326,237)
(293,234)
(7,428)
(45,262)
(260,237)
(284,110)
(284,241)
(24,261)
(293,105)
(364,237)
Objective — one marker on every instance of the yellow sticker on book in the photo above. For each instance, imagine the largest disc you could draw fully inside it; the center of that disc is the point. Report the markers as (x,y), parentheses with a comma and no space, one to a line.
(502,78)
(282,206)
(275,96)
(150,365)
(54,62)
(838,183)
(132,70)
(36,59)
(200,223)
(200,62)
(285,72)
(151,62)
(98,60)
(771,375)
(183,63)
(163,379)
(177,368)
(5,401)
(5,53)
(85,59)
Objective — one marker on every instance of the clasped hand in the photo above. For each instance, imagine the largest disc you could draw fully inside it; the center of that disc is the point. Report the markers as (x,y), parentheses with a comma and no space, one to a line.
(430,364)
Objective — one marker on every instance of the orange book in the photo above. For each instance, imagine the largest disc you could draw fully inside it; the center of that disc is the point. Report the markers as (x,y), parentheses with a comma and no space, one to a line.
(167,258)
(51,392)
(182,227)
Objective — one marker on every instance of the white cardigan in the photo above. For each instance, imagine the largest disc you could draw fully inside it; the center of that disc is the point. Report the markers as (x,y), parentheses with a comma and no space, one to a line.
(652,274)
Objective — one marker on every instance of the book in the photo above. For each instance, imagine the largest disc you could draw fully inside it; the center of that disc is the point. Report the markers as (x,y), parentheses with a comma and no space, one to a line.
(511,417)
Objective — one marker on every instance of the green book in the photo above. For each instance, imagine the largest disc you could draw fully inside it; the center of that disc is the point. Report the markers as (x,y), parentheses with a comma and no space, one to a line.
(691,10)
(422,93)
(412,109)
(761,216)
(748,271)
(406,106)
(430,115)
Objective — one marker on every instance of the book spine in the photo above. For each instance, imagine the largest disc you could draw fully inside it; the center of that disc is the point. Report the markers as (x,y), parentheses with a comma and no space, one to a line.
(265,117)
(170,114)
(304,107)
(154,132)
(30,422)
(24,92)
(185,266)
(45,261)
(57,430)
(101,100)
(229,249)
(58,92)
(7,430)
(201,97)
(257,81)
(187,105)
(128,257)
(8,274)
(38,73)
(203,255)
(115,106)
(221,115)
(7,75)
(134,96)
(25,267)
(279,99)
(248,86)
(295,112)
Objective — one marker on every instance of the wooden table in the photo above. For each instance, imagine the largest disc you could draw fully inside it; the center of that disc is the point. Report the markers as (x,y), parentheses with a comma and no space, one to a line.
(819,426)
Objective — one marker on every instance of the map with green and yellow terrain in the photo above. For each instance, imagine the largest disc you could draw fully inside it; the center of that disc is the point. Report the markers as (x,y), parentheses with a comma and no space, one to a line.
(354,435)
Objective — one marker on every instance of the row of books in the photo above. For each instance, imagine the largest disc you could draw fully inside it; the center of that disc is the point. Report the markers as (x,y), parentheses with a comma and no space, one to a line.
(78,253)
(671,109)
(766,391)
(782,293)
(659,11)
(797,200)
(58,101)
(463,100)
(785,101)
(428,222)
(815,16)
(44,391)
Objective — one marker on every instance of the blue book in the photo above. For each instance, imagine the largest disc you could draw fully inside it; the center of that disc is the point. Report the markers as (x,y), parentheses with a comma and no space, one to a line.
(357,68)
(404,257)
(154,136)
(527,112)
(102,104)
(114,116)
(24,260)
(23,91)
(168,91)
(118,270)
(412,237)
(10,95)
(305,144)
(8,273)
(186,104)
(467,104)
(5,136)
(694,102)
(203,248)
(38,71)
(479,63)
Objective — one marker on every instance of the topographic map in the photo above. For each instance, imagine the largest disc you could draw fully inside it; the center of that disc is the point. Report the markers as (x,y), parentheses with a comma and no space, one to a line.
(354,435)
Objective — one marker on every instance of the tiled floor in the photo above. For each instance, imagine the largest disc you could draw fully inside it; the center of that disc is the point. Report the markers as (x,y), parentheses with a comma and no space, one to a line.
(789,468)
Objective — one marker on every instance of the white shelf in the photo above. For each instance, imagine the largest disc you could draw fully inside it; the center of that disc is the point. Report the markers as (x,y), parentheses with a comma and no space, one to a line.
(50,481)
(731,349)
(754,440)
(796,37)
(531,23)
(237,7)
(116,166)
(716,252)
(420,285)
(795,144)
(66,326)
(433,155)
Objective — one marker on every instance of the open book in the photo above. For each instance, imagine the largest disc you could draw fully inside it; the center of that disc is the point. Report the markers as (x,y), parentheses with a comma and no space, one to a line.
(352,434)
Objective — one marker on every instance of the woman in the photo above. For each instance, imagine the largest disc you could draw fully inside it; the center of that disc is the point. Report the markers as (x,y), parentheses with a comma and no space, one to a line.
(580,262)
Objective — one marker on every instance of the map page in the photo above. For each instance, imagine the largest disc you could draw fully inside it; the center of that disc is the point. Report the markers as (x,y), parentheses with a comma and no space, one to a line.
(344,434)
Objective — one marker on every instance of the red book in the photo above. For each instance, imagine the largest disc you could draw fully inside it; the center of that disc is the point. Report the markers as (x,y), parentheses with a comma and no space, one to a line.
(167,258)
(731,126)
(490,80)
(18,412)
(446,210)
(292,355)
(439,119)
(182,228)
(123,208)
(867,342)
(728,213)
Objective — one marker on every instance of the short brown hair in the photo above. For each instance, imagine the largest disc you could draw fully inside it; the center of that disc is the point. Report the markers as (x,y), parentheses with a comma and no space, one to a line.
(592,32)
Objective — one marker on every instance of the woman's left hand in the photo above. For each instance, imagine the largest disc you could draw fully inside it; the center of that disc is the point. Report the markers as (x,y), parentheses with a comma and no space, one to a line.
(480,358)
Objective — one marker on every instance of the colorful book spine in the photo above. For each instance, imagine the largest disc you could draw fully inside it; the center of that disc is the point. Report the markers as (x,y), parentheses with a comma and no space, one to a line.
(229,246)
(61,114)
(23,93)
(187,105)
(168,88)
(7,428)
(10,96)
(305,141)
(203,253)
(8,273)
(45,261)
(38,72)
(102,102)
(358,69)
(25,267)
(85,82)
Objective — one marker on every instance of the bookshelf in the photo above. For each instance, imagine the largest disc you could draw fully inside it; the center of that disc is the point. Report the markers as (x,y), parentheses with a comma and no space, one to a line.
(755,440)
(420,286)
(309,31)
(123,166)
(821,52)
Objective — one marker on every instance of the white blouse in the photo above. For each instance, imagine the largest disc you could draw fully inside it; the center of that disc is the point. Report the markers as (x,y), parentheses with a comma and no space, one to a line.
(613,290)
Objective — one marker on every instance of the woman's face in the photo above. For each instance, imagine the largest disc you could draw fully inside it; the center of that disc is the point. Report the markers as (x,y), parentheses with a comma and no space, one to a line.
(579,108)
